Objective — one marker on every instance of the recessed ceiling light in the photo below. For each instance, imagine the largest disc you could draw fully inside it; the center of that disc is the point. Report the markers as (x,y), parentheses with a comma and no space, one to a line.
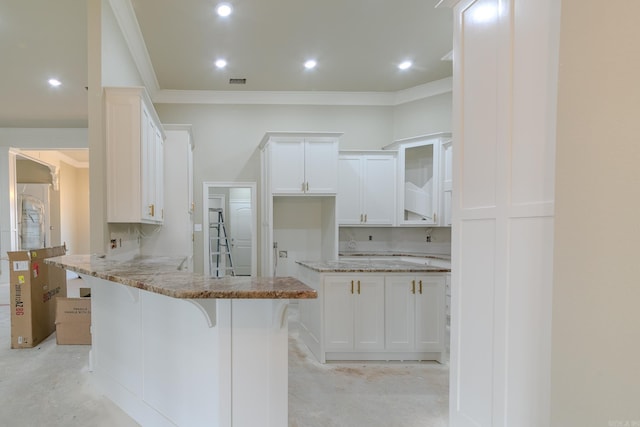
(405,65)
(221,63)
(310,64)
(54,82)
(224,9)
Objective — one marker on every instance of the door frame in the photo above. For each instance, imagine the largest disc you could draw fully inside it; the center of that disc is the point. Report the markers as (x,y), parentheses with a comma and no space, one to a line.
(206,185)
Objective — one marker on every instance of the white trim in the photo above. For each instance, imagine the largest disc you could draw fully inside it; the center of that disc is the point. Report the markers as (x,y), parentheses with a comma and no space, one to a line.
(167,96)
(126,17)
(254,220)
(447,3)
(184,127)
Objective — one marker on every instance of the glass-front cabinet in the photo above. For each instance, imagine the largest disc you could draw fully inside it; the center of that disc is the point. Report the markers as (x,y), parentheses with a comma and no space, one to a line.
(419,179)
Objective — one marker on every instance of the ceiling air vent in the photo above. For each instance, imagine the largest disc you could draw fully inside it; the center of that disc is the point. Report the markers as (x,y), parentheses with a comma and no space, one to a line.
(237,81)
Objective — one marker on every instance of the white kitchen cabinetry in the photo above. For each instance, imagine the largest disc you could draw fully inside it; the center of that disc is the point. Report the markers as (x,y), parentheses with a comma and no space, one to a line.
(175,238)
(354,313)
(303,165)
(366,188)
(374,316)
(298,169)
(415,313)
(419,180)
(134,148)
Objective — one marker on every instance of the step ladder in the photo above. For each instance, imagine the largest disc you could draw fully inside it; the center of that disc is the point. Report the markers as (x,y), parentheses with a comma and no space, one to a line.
(220,261)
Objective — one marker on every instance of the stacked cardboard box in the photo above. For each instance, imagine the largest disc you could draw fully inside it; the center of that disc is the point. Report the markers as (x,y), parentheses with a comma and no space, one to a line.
(34,288)
(73,320)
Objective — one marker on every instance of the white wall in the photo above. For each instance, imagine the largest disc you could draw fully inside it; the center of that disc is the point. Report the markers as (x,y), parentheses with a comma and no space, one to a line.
(422,117)
(596,294)
(74,208)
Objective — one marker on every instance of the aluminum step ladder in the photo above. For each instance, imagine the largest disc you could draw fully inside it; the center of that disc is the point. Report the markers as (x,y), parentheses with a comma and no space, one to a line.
(220,260)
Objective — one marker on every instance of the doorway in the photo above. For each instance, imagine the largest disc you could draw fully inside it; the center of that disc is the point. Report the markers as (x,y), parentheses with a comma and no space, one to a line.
(229,230)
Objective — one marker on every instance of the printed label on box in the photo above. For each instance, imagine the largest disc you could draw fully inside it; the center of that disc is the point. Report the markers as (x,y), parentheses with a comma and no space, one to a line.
(21,280)
(20,265)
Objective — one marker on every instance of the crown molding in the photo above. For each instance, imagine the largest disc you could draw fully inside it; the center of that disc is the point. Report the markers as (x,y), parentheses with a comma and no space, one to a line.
(447,3)
(305,98)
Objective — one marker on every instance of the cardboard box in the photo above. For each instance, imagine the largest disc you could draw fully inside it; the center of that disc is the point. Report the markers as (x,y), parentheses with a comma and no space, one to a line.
(73,320)
(34,287)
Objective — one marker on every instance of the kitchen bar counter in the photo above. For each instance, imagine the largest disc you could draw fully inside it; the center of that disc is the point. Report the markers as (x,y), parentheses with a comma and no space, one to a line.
(161,275)
(174,348)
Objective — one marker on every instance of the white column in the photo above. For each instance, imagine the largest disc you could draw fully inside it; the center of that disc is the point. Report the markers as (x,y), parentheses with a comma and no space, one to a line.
(505,68)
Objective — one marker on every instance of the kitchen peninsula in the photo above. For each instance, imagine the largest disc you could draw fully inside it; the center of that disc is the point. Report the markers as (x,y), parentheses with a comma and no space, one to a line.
(173,348)
(375,308)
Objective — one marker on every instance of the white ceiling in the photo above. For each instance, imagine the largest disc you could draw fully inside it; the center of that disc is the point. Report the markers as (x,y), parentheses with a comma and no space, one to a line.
(357,43)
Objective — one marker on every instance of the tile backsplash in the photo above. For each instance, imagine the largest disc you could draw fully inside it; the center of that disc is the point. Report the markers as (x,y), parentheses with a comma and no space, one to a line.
(395,239)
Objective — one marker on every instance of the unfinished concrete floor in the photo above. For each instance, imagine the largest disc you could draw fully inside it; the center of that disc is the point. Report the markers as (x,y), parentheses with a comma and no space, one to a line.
(50,385)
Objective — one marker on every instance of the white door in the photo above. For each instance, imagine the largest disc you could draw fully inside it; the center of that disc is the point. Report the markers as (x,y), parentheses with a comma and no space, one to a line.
(430,313)
(350,190)
(338,313)
(399,312)
(240,230)
(379,190)
(321,165)
(287,165)
(369,313)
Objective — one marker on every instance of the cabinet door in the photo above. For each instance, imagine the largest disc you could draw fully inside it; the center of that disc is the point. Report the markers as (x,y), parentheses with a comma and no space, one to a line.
(287,166)
(338,313)
(379,195)
(400,312)
(430,316)
(158,180)
(369,313)
(419,184)
(350,189)
(147,167)
(321,166)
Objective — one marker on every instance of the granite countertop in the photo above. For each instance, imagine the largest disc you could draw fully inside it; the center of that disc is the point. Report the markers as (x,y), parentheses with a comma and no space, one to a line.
(161,275)
(371,266)
(444,257)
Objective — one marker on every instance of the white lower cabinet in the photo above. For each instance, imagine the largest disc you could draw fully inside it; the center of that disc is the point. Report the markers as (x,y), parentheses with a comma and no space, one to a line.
(353,312)
(374,316)
(415,313)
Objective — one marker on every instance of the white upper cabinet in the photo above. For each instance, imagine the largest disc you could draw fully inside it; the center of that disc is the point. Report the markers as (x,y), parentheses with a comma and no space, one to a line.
(134,148)
(303,164)
(366,188)
(419,179)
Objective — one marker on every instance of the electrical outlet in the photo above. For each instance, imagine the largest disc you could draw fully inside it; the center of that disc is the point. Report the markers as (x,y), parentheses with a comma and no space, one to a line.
(114,243)
(428,239)
(283,254)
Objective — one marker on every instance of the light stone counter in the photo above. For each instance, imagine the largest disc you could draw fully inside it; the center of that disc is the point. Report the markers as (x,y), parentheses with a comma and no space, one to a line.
(160,275)
(371,265)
